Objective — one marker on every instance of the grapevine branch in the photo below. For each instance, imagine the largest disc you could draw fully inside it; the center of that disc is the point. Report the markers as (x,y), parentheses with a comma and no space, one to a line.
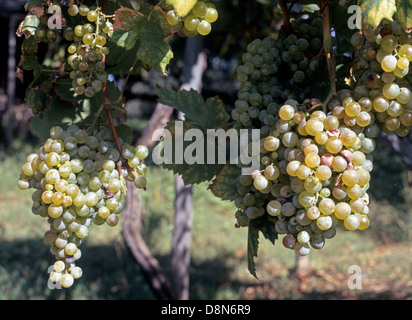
(328,48)
(286,22)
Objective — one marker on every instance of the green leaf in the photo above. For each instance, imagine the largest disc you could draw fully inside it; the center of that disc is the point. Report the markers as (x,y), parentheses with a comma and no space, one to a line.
(373,11)
(252,246)
(179,159)
(403,13)
(61,113)
(120,61)
(153,49)
(125,39)
(35,99)
(208,115)
(144,36)
(64,89)
(182,7)
(34,3)
(125,133)
(266,225)
(224,186)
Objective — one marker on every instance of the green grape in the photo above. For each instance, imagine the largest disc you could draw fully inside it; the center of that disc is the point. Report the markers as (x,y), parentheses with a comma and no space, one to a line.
(40,33)
(172,18)
(79,31)
(389,63)
(200,9)
(73,10)
(389,43)
(204,28)
(92,16)
(191,22)
(406,51)
(391,90)
(100,40)
(83,10)
(211,15)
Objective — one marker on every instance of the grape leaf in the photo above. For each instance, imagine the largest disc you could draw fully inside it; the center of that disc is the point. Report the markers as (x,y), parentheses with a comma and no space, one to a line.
(403,13)
(224,186)
(182,7)
(64,89)
(178,159)
(208,115)
(61,113)
(144,37)
(373,11)
(252,246)
(265,225)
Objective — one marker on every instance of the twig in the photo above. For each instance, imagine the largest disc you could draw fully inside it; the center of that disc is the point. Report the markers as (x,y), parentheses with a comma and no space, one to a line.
(328,48)
(285,13)
(106,104)
(127,77)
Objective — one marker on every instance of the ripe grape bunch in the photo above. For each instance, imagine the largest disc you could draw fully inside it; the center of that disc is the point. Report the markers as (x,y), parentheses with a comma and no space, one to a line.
(384,56)
(197,21)
(88,49)
(314,178)
(79,180)
(315,165)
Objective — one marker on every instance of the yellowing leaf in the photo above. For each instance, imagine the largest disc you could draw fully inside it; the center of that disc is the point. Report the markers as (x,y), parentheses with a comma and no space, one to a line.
(373,11)
(182,7)
(403,13)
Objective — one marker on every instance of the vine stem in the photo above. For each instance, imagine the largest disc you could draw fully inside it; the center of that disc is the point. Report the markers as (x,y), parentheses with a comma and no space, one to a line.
(286,21)
(106,104)
(328,48)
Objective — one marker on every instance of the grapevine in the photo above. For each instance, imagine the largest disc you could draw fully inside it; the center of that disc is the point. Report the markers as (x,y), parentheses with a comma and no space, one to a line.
(319,111)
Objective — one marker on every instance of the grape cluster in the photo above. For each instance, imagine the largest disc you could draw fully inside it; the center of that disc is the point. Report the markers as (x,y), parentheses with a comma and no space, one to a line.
(384,57)
(314,178)
(274,70)
(197,21)
(88,49)
(315,164)
(78,177)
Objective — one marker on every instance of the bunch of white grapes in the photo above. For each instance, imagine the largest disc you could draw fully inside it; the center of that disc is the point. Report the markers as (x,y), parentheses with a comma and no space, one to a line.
(86,52)
(198,21)
(384,57)
(79,180)
(315,165)
(315,177)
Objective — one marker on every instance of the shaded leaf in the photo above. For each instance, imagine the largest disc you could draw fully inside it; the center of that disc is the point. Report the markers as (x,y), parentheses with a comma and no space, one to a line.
(252,246)
(61,113)
(208,115)
(125,133)
(403,13)
(224,186)
(35,99)
(188,158)
(266,225)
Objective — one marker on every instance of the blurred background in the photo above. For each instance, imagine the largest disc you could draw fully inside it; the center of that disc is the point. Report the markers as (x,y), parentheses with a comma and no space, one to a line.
(218,267)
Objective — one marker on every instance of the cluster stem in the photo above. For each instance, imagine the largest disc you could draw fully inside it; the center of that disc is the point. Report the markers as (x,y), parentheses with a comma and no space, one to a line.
(328,48)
